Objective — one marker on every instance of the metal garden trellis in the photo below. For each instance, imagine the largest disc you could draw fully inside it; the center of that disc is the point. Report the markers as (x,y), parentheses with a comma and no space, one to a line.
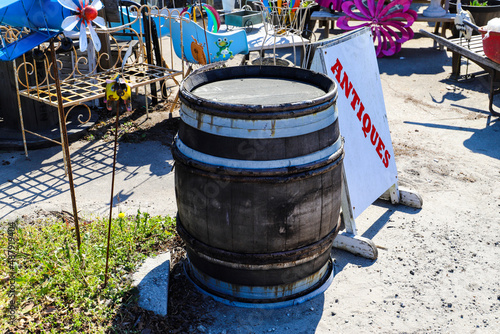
(386,21)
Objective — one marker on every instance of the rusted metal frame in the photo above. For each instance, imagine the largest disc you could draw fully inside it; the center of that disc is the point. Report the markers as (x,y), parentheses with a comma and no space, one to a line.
(157,52)
(155,73)
(93,66)
(27,85)
(49,94)
(172,52)
(149,55)
(65,143)
(20,109)
(172,106)
(39,135)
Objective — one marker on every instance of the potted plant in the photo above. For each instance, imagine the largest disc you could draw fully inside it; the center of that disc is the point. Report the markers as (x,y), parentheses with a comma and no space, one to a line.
(481,10)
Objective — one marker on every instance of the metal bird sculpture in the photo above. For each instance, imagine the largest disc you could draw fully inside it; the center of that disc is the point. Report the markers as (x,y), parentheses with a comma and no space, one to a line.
(46,19)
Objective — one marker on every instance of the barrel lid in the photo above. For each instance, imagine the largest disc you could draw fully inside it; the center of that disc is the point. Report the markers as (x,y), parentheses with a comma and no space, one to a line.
(258,90)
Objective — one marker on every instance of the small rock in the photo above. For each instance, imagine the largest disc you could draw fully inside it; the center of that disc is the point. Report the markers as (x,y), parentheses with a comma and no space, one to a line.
(312,309)
(412,272)
(201,328)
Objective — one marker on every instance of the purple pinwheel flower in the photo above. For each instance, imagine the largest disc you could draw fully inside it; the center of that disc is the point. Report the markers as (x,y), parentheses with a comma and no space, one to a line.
(333,5)
(384,20)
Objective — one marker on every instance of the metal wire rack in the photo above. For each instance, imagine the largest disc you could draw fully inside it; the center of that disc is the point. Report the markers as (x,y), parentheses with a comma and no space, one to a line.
(84,88)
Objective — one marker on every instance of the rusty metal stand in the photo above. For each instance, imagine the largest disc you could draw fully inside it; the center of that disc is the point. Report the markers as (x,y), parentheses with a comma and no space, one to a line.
(63,89)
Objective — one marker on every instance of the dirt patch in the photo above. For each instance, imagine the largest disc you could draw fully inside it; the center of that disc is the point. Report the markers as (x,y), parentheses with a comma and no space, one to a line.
(137,125)
(184,304)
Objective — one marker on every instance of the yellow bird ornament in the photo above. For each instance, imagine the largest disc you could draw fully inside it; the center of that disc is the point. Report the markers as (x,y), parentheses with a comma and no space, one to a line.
(116,89)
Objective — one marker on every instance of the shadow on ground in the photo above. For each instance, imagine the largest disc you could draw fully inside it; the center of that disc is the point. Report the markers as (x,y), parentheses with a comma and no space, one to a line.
(413,61)
(482,141)
(41,178)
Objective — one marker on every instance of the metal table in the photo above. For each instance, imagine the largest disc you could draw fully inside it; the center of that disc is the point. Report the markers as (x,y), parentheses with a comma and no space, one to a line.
(473,51)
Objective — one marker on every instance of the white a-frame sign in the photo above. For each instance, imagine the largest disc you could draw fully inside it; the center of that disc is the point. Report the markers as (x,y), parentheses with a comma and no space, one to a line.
(369,167)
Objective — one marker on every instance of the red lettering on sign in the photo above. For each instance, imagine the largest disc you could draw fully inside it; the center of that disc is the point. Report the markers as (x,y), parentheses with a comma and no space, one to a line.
(337,68)
(386,159)
(355,100)
(374,135)
(380,147)
(360,112)
(364,118)
(367,124)
(346,85)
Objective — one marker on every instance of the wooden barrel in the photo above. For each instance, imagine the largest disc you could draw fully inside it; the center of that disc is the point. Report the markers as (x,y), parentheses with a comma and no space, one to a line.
(258,175)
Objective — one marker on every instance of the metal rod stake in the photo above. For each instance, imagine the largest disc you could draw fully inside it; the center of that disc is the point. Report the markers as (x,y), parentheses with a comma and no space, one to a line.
(112,191)
(65,143)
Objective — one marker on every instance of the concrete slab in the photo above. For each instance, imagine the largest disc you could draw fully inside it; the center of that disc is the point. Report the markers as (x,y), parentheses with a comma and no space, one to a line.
(144,180)
(152,281)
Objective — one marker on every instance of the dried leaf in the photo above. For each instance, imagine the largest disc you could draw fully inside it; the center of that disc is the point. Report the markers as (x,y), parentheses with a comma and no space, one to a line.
(28,307)
(49,309)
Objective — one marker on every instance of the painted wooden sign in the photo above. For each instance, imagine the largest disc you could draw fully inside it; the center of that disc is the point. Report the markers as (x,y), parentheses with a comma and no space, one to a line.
(369,162)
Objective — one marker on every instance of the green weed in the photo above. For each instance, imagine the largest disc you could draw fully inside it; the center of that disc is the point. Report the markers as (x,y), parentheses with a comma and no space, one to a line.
(479,4)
